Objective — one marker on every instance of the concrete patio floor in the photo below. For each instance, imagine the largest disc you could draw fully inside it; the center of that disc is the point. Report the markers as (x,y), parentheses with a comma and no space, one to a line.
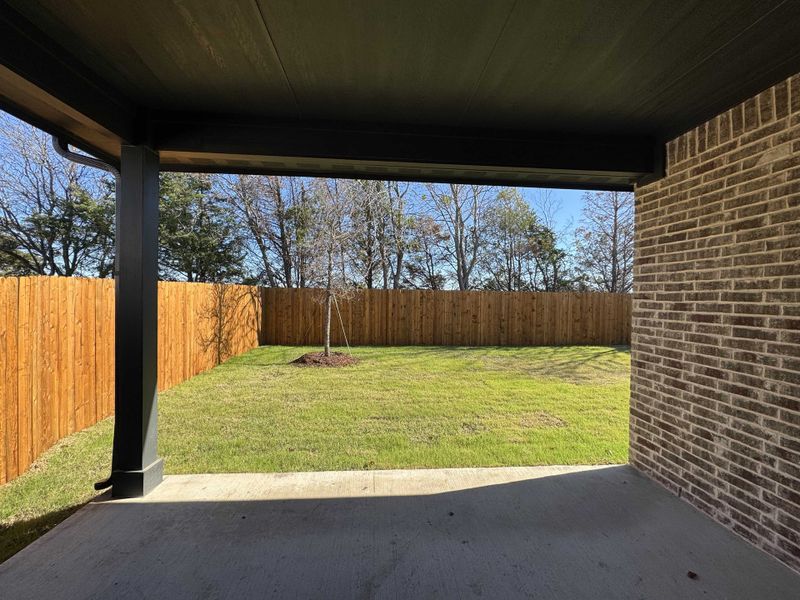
(539,532)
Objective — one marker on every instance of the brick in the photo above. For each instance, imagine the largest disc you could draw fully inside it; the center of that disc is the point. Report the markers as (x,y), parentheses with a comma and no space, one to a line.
(794,104)
(751,120)
(715,382)
(766,106)
(781,99)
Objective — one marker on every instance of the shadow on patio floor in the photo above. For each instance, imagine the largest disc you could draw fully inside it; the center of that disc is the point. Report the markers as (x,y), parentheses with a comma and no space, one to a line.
(497,533)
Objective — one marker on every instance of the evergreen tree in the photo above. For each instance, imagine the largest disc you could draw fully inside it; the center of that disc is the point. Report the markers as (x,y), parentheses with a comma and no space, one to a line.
(199,239)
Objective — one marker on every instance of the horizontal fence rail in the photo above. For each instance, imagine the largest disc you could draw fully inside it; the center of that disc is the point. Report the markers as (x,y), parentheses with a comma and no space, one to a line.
(57,352)
(449,318)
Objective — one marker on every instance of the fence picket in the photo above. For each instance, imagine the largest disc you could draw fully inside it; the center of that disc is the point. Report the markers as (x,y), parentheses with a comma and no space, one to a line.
(450,318)
(57,352)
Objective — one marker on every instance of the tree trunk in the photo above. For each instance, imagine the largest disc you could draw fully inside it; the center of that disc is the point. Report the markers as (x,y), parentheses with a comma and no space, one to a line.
(398,273)
(614,246)
(328,301)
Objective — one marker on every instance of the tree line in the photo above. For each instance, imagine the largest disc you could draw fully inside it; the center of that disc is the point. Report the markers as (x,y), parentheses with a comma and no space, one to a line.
(57,218)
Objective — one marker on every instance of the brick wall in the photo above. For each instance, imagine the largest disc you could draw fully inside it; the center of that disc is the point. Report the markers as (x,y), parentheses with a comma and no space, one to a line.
(715,394)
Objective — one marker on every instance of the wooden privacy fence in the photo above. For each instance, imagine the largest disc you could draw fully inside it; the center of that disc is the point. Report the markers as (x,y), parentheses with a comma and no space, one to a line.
(57,352)
(57,338)
(450,318)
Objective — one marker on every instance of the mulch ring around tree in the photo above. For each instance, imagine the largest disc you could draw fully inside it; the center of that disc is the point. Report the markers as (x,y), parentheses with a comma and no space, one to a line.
(318,359)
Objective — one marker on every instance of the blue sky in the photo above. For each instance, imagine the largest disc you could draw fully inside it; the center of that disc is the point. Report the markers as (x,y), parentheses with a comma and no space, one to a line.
(571,205)
(570,202)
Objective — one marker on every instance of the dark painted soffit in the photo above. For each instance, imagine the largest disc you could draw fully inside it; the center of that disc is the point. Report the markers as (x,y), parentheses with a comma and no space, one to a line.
(426,154)
(579,94)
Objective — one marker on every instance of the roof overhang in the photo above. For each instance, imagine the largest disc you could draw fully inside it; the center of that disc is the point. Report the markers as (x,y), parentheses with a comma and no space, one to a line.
(580,94)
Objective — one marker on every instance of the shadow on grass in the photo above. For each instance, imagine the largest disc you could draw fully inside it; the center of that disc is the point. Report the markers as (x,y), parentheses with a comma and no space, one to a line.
(16,536)
(563,358)
(572,364)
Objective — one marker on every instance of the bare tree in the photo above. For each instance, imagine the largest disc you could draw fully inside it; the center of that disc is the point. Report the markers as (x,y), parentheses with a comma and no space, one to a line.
(278,212)
(56,217)
(401,227)
(330,238)
(548,205)
(382,227)
(604,240)
(459,209)
(368,250)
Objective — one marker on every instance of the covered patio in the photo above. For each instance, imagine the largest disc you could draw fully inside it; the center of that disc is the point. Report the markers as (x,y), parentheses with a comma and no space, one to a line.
(695,105)
(528,532)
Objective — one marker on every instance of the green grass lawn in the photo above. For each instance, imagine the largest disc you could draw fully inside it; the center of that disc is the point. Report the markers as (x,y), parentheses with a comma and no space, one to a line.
(398,408)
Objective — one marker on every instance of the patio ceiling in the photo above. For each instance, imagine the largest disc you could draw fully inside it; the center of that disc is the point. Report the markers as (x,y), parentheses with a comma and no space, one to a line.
(579,93)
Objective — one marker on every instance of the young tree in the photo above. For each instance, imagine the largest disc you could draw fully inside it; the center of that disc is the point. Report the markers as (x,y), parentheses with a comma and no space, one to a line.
(329,240)
(604,240)
(198,237)
(459,210)
(56,217)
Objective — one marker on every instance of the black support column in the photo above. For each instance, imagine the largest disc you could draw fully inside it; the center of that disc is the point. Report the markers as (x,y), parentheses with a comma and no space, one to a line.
(136,468)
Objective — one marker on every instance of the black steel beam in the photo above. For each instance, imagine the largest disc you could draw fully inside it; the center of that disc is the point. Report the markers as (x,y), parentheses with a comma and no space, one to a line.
(199,142)
(424,174)
(136,467)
